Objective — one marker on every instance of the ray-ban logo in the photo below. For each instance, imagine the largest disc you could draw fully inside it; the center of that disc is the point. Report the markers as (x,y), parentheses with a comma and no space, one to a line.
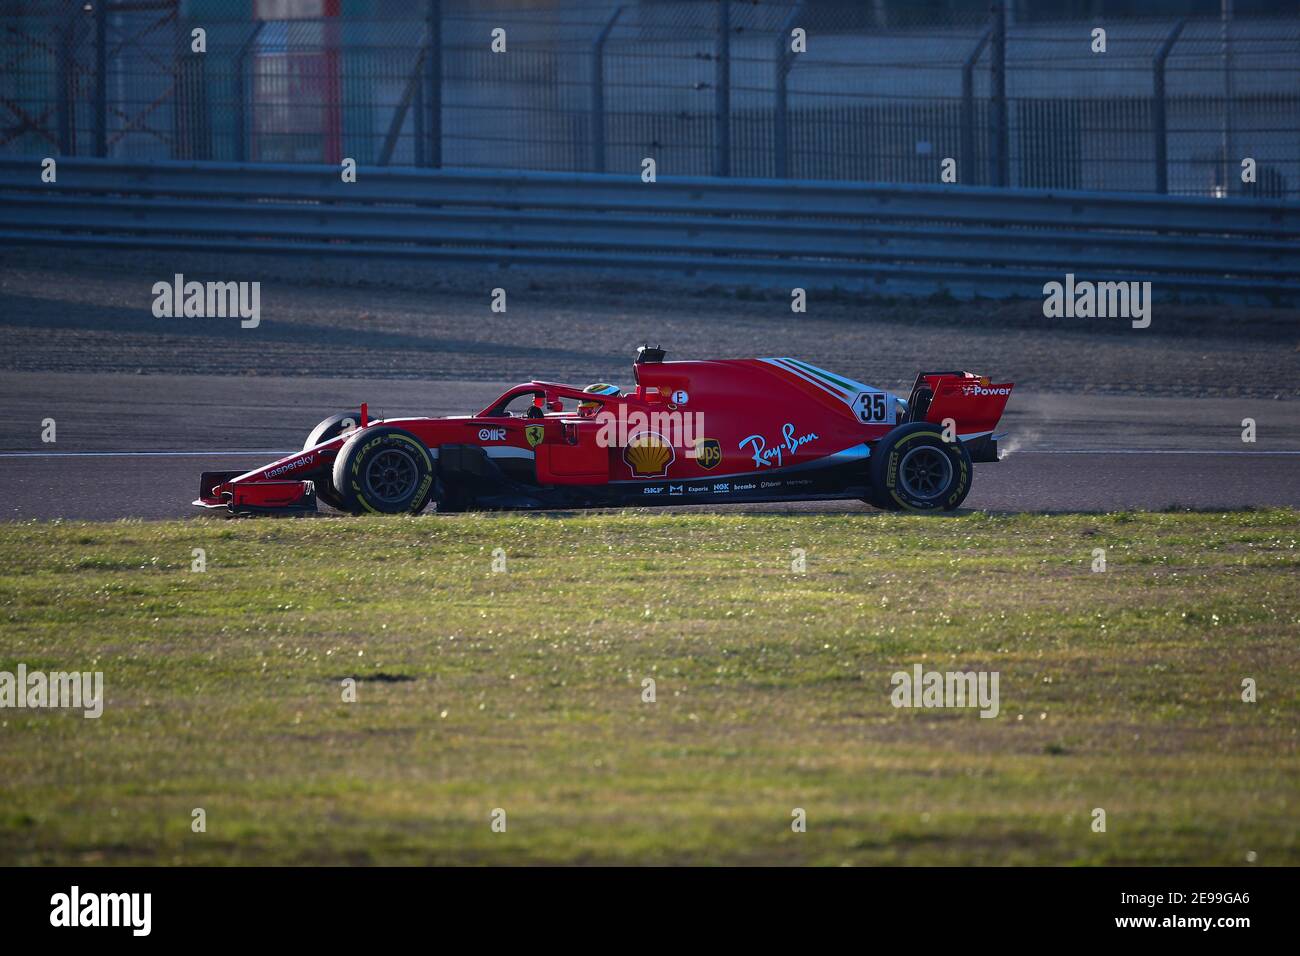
(208,300)
(36,689)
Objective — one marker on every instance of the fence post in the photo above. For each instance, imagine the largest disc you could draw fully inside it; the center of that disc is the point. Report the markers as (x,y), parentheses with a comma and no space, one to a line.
(241,94)
(433,86)
(1159,118)
(781,114)
(968,106)
(1225,148)
(412,101)
(419,140)
(101,78)
(998,159)
(182,120)
(65,94)
(722,84)
(598,92)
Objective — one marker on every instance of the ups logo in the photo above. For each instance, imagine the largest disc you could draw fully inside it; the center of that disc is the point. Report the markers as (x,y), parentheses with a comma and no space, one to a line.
(708,453)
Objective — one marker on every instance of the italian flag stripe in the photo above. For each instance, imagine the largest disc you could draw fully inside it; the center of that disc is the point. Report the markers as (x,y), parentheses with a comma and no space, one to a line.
(787,366)
(824,379)
(822,374)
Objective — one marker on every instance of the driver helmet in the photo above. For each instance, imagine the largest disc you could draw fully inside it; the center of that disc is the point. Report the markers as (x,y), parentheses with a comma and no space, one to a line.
(600,388)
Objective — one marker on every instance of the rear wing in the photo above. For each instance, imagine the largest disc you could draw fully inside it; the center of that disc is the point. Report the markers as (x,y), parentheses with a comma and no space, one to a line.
(972,402)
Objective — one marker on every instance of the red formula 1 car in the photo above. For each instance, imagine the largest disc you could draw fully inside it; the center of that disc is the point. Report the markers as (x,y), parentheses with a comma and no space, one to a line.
(733,430)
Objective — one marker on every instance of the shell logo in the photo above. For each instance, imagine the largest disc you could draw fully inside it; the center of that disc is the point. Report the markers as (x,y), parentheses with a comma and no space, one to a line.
(648,455)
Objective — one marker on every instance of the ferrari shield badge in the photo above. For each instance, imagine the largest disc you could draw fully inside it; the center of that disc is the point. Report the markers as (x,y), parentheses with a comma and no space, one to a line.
(534,434)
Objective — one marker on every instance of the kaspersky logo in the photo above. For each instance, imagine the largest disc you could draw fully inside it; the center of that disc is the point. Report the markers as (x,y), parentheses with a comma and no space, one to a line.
(289,466)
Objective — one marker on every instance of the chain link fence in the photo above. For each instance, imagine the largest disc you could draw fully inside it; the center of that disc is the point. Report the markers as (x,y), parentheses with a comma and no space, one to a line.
(746,89)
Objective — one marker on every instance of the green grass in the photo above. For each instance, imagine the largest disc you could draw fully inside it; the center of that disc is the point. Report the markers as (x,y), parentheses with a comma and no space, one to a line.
(478,690)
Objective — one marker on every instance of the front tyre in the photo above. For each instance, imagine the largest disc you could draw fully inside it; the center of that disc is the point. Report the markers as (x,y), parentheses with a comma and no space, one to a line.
(327,430)
(914,469)
(330,428)
(383,471)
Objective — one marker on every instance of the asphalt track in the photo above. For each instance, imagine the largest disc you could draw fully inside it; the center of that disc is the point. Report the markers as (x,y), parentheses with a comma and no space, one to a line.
(133,446)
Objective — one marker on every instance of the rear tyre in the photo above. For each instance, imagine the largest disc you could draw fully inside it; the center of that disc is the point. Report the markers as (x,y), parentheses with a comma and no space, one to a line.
(383,471)
(914,469)
(330,428)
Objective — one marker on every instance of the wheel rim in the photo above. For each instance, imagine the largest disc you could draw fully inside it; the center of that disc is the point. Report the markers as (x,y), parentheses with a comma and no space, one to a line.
(391,475)
(925,472)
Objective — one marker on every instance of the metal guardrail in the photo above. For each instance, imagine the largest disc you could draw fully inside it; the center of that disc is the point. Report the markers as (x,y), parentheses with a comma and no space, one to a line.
(865,237)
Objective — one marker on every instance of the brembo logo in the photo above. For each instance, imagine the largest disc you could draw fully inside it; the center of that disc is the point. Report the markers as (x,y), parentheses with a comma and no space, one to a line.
(290,465)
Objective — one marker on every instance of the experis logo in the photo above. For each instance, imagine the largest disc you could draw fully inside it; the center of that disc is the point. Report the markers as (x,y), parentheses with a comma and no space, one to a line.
(75,908)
